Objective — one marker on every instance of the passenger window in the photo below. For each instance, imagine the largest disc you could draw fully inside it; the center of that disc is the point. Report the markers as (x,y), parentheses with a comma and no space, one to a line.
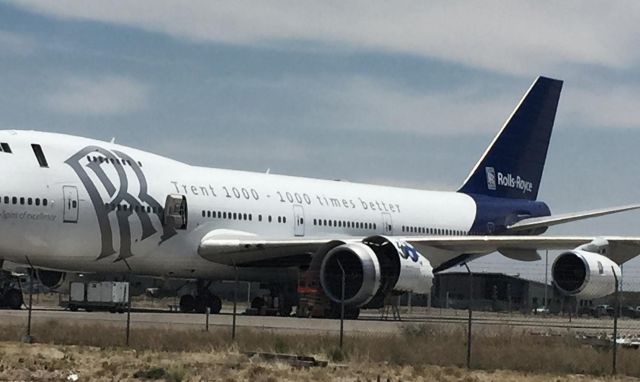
(284,219)
(22,200)
(37,201)
(269,218)
(259,218)
(203,213)
(29,201)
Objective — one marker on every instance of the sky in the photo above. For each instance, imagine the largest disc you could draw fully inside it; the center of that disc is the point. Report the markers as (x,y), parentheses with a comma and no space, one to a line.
(404,93)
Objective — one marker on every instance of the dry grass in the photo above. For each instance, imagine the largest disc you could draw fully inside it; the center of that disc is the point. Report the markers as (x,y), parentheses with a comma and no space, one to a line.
(57,362)
(406,356)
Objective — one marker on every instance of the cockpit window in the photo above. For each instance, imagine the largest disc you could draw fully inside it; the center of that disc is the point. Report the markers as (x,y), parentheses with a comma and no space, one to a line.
(5,147)
(42,161)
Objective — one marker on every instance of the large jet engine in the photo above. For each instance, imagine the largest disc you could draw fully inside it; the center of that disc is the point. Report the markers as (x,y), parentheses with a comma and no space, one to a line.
(374,268)
(584,274)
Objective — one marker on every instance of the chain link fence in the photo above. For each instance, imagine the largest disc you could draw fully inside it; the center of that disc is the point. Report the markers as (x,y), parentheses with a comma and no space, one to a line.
(521,320)
(491,316)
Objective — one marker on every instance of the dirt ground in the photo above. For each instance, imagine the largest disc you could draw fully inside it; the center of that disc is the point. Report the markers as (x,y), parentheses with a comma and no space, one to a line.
(43,362)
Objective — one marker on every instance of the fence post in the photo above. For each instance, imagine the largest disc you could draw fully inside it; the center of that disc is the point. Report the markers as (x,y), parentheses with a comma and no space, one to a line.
(616,310)
(470,316)
(235,303)
(128,309)
(28,339)
(206,324)
(344,275)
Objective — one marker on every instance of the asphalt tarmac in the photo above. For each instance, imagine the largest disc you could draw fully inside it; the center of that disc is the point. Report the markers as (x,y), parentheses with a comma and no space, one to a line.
(369,321)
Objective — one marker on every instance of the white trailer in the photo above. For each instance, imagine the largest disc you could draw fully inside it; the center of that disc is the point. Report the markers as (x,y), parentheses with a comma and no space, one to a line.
(99,295)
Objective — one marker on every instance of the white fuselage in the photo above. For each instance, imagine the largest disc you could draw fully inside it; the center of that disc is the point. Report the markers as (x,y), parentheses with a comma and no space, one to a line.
(66,233)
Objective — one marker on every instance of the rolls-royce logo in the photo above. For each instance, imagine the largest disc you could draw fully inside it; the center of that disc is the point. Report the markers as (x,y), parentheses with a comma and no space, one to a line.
(491,178)
(105,176)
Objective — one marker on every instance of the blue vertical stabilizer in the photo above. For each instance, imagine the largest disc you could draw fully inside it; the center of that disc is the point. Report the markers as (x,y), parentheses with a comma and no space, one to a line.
(512,165)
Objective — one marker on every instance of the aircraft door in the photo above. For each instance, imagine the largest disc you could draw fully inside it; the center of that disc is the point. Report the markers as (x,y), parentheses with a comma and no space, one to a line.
(175,211)
(298,220)
(387,227)
(71,205)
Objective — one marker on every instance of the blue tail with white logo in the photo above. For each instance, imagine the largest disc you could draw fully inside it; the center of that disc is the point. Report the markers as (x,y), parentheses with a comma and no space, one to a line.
(513,164)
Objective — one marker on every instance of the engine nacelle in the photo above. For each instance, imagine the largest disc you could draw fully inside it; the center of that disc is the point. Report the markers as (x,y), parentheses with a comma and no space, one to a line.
(374,268)
(362,273)
(51,279)
(583,274)
(57,281)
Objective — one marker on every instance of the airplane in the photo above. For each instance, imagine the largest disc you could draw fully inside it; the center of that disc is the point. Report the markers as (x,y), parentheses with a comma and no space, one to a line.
(71,204)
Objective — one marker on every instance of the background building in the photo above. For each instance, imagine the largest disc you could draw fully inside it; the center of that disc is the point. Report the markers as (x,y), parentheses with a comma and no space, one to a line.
(495,292)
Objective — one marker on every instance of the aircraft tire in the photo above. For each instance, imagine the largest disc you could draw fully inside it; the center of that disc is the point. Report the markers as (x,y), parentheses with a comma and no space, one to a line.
(187,303)
(285,309)
(258,303)
(13,299)
(350,312)
(215,304)
(200,305)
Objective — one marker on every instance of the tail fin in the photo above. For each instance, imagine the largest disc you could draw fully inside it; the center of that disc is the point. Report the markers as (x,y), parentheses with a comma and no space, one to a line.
(512,165)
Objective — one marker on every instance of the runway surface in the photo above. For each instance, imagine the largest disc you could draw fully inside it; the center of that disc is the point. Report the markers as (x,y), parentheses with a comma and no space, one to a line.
(369,321)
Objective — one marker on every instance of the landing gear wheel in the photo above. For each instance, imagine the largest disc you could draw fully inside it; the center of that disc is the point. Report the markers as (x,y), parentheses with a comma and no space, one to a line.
(285,309)
(215,304)
(13,299)
(200,304)
(187,303)
(258,303)
(350,312)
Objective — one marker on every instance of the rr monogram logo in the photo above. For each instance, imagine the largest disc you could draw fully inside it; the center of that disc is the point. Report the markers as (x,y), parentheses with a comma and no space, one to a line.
(90,164)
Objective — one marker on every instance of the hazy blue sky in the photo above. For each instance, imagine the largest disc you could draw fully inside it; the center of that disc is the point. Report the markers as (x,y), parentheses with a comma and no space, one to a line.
(405,93)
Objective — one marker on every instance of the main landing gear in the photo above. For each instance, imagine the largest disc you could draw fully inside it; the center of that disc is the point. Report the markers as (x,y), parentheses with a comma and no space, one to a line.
(10,297)
(201,301)
(280,301)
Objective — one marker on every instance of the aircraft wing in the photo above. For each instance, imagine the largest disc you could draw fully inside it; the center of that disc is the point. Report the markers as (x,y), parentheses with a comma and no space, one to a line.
(548,221)
(237,248)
